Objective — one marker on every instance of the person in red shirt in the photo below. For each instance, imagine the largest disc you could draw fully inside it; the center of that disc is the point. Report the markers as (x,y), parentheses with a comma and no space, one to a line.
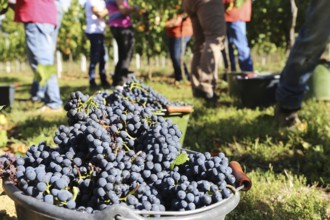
(237,13)
(178,31)
(40,20)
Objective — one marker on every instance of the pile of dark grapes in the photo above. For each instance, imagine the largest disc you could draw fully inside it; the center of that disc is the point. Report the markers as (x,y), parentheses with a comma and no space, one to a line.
(7,167)
(137,92)
(120,154)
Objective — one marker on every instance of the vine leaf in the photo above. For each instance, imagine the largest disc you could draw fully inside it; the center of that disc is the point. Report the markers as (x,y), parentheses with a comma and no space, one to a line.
(179,160)
(2,107)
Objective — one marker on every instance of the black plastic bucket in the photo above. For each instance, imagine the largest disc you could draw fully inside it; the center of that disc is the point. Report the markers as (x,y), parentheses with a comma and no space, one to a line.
(7,95)
(253,91)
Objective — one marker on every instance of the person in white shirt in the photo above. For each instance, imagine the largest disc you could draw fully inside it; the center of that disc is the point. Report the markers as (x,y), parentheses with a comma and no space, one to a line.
(95,27)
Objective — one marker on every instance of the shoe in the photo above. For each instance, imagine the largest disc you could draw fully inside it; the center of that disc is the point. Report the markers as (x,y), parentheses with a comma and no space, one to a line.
(93,85)
(289,120)
(35,99)
(200,94)
(47,109)
(105,84)
(286,117)
(212,102)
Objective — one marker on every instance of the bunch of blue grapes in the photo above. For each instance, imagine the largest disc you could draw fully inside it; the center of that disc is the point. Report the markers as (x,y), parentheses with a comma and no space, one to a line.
(80,107)
(7,167)
(120,153)
(137,92)
(201,181)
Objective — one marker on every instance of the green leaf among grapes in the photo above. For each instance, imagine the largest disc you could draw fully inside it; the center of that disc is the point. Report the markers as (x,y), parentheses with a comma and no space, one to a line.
(179,160)
(2,107)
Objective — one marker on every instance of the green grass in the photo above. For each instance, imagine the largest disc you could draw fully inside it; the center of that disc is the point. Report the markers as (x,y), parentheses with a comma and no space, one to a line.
(290,171)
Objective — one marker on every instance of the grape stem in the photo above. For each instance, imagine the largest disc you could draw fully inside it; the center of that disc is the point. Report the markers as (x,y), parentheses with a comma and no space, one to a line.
(79,174)
(135,156)
(130,193)
(126,147)
(231,187)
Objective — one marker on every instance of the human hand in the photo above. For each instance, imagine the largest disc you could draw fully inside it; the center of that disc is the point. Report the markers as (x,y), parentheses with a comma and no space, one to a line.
(230,6)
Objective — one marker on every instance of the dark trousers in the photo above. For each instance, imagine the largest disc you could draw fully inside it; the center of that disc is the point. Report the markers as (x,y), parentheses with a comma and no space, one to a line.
(125,41)
(177,53)
(98,54)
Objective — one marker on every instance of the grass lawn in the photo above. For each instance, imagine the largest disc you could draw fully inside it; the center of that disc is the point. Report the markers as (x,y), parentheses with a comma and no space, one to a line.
(290,171)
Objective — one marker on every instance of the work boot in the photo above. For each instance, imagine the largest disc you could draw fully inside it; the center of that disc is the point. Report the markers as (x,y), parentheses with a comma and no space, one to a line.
(93,85)
(105,84)
(288,119)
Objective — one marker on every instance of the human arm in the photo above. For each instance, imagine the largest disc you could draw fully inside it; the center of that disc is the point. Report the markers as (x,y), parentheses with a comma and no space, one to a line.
(125,9)
(98,8)
(176,20)
(173,22)
(99,13)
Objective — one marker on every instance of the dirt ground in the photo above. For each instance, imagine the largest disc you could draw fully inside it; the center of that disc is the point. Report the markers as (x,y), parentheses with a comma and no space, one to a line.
(7,206)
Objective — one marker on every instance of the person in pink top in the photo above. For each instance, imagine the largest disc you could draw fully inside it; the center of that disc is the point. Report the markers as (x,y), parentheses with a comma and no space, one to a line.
(122,30)
(40,20)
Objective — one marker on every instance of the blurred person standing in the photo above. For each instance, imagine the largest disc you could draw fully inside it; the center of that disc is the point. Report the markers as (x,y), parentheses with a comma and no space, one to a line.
(95,10)
(178,31)
(209,30)
(121,27)
(237,13)
(40,20)
(304,57)
(61,7)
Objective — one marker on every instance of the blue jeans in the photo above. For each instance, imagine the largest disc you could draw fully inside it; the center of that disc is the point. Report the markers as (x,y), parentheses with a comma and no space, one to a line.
(304,55)
(176,52)
(98,54)
(40,50)
(236,34)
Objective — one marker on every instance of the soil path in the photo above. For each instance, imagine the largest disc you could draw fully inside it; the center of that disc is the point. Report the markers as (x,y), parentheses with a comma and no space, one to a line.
(7,206)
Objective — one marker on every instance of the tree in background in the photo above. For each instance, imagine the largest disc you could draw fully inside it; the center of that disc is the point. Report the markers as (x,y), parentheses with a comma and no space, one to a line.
(12,44)
(72,41)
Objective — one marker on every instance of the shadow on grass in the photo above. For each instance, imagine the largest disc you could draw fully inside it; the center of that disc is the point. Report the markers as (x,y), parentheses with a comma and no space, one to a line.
(257,143)
(9,80)
(36,126)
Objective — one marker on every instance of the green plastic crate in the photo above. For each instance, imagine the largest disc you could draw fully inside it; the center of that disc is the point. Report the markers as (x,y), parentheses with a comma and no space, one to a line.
(179,115)
(319,83)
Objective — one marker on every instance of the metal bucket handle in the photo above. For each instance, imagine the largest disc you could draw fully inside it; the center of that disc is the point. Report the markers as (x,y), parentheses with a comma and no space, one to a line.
(242,180)
(179,109)
(122,212)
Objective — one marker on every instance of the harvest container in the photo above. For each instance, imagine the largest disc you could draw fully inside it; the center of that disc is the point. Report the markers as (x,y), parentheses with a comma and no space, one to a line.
(28,207)
(253,90)
(180,116)
(319,83)
(7,93)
